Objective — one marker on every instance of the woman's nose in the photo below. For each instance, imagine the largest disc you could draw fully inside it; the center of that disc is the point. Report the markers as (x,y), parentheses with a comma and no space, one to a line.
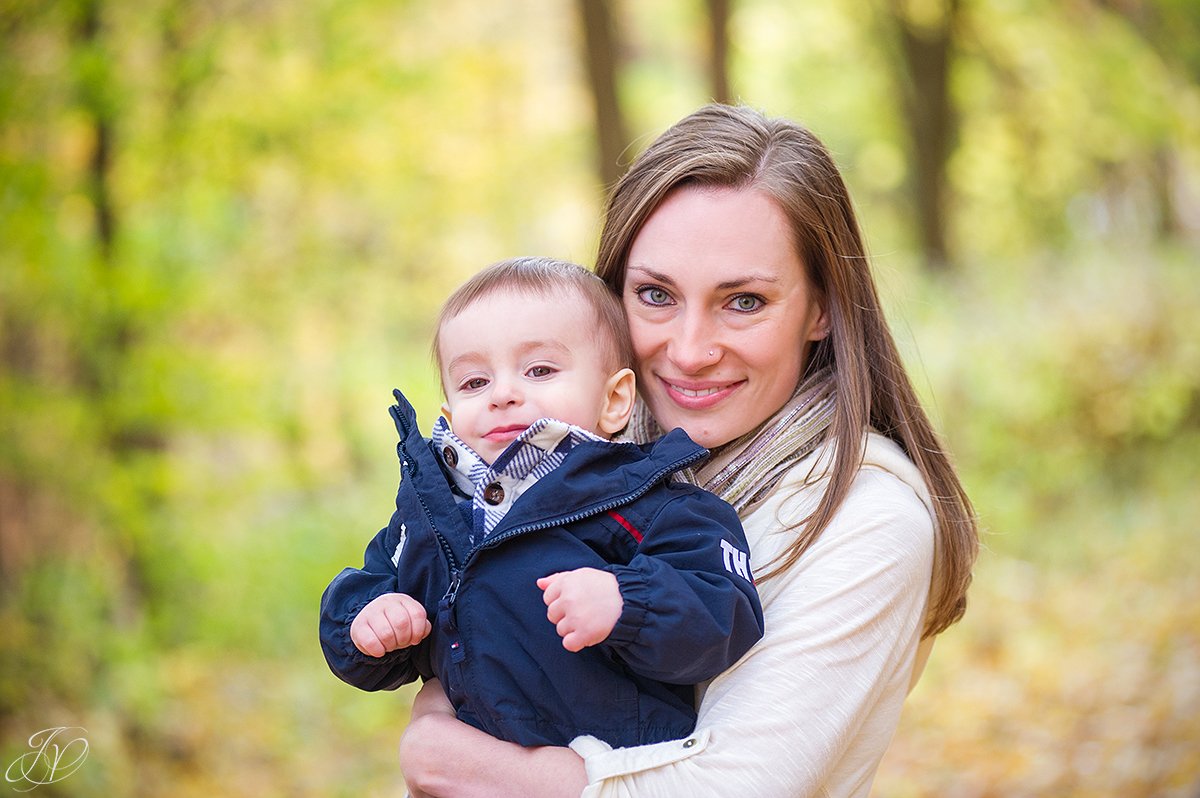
(693,345)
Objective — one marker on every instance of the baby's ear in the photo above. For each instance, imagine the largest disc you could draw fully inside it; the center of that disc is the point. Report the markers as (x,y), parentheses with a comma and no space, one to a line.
(619,394)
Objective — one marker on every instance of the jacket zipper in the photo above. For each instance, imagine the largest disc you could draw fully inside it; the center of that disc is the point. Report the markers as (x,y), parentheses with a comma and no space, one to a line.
(457,650)
(455,570)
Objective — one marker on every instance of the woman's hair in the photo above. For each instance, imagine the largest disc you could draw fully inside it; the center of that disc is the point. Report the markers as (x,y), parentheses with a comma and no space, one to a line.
(547,277)
(737,147)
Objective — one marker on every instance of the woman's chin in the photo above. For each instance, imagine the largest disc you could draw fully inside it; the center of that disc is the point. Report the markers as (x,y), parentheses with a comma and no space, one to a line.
(703,431)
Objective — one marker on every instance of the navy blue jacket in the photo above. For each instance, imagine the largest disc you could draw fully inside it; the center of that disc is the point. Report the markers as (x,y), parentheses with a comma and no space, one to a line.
(678,553)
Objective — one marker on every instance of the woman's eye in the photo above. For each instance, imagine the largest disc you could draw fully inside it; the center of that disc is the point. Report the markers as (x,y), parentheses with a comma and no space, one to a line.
(747,303)
(540,371)
(652,295)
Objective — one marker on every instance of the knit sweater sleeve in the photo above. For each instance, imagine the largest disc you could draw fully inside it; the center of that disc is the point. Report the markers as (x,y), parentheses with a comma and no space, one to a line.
(810,710)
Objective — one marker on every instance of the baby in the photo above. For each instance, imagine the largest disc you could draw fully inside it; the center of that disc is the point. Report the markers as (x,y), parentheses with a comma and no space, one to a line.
(556,582)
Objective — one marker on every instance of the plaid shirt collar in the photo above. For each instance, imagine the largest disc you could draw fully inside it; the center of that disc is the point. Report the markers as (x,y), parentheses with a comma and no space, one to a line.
(494,488)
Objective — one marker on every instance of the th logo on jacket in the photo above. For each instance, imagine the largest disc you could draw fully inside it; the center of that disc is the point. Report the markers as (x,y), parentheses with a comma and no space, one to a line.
(736,560)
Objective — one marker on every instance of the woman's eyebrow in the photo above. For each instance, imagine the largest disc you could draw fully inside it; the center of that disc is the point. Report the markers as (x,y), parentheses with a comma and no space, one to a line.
(725,285)
(750,278)
(650,274)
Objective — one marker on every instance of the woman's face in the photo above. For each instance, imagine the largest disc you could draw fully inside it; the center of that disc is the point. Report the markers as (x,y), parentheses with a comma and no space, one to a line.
(720,311)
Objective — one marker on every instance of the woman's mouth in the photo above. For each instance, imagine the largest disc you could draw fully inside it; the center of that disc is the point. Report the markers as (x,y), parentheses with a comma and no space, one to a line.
(695,392)
(698,396)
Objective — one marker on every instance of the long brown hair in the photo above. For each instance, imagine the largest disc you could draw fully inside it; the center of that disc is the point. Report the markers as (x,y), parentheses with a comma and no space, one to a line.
(738,147)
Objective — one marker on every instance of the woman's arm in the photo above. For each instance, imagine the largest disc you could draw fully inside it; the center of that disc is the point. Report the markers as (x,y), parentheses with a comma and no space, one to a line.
(442,757)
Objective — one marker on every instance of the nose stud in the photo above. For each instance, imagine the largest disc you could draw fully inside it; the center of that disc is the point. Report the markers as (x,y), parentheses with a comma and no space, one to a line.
(712,352)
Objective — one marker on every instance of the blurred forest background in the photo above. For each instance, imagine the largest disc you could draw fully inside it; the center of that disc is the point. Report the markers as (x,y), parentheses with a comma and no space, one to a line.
(224,229)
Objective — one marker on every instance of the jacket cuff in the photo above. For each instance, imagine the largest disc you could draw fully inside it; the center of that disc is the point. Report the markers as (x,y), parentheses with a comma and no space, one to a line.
(353,654)
(636,595)
(602,762)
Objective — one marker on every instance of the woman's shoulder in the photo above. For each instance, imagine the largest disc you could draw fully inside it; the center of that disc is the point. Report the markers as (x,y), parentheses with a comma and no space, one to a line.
(881,539)
(884,456)
(885,470)
(887,498)
(889,483)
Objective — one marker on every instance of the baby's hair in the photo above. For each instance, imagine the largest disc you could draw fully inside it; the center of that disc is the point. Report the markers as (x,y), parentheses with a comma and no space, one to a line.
(547,277)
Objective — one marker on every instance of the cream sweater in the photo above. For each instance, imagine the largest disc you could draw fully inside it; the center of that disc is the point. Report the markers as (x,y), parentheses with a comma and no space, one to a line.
(809,710)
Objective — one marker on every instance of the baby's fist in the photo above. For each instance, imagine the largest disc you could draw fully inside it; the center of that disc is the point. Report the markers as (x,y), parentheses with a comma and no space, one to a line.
(389,622)
(584,605)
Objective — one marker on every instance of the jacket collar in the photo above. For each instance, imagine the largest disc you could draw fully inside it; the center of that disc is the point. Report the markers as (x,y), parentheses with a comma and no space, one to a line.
(494,487)
(598,476)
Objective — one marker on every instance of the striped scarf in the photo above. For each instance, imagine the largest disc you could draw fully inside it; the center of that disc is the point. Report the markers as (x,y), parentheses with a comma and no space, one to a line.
(745,471)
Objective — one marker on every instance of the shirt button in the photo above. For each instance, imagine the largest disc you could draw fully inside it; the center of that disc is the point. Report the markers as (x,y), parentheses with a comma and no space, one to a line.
(689,743)
(450,456)
(493,493)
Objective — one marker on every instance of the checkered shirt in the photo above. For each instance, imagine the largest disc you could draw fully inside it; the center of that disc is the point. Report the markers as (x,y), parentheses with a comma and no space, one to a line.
(535,453)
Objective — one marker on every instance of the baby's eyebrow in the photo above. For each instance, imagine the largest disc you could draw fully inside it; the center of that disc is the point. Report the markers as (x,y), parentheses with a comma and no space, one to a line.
(524,349)
(465,360)
(529,347)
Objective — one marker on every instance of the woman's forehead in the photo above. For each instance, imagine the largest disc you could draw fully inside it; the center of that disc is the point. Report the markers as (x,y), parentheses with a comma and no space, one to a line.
(718,237)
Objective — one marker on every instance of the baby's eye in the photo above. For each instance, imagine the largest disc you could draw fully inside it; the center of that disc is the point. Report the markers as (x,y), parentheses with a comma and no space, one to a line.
(747,303)
(473,384)
(538,372)
(653,295)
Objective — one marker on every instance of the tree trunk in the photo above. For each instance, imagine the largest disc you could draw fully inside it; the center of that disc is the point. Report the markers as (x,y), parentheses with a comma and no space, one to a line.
(601,45)
(116,334)
(1170,29)
(926,51)
(718,64)
(93,93)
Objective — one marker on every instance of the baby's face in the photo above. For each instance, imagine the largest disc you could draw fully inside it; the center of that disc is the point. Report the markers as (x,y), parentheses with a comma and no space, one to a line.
(510,359)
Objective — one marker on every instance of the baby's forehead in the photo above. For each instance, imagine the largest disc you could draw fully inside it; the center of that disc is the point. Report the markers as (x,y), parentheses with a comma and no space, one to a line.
(521,322)
(533,345)
(548,306)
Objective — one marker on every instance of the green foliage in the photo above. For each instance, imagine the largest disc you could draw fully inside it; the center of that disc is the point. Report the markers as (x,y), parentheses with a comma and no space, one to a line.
(1071,401)
(1080,384)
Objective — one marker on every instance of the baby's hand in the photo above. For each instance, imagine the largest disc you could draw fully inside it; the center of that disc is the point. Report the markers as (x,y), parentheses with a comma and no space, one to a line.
(584,605)
(389,622)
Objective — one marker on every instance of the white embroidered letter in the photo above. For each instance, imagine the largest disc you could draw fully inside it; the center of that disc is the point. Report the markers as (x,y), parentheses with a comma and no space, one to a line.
(735,561)
(400,545)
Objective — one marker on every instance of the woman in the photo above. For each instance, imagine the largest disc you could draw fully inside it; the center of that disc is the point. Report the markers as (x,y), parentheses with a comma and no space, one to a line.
(757,328)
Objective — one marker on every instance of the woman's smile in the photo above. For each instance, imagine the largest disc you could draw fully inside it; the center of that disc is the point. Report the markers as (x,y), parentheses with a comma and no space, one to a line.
(698,396)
